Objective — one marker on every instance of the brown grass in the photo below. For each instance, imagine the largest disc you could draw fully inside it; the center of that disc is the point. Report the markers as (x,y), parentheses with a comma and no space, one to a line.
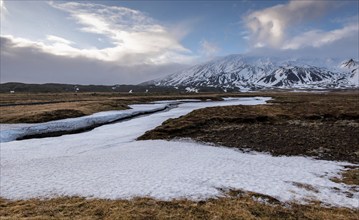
(48,112)
(325,126)
(42,107)
(238,205)
(306,187)
(349,176)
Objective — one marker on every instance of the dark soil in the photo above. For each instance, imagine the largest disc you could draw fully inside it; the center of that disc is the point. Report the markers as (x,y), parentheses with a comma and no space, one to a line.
(322,126)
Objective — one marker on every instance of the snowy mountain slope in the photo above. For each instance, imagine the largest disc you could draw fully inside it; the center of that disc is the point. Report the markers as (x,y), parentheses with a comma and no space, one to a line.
(238,71)
(295,76)
(353,67)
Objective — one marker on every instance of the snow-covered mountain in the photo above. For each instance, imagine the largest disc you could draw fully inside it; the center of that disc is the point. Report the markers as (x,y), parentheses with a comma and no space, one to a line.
(353,67)
(244,72)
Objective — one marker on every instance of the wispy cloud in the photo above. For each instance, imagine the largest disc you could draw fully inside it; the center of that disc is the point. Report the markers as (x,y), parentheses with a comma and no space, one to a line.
(2,5)
(276,31)
(138,48)
(269,26)
(208,49)
(319,38)
(136,37)
(3,9)
(346,20)
(57,39)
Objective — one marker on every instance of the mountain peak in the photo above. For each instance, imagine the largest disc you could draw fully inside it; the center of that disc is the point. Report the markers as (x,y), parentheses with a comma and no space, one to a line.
(351,63)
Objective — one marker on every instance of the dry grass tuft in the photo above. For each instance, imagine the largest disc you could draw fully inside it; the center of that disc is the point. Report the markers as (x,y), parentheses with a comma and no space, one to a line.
(306,187)
(349,176)
(237,206)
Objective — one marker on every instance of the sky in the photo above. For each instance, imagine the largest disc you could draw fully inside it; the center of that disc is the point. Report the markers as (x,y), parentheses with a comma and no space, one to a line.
(129,42)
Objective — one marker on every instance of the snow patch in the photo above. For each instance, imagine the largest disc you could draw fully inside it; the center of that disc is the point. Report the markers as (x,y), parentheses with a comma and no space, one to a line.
(10,132)
(189,89)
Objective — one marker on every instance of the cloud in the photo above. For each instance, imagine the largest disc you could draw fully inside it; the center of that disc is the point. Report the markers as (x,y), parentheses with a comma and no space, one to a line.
(2,5)
(131,31)
(57,39)
(319,38)
(346,20)
(271,31)
(52,45)
(30,64)
(208,49)
(341,49)
(140,49)
(3,9)
(135,38)
(269,26)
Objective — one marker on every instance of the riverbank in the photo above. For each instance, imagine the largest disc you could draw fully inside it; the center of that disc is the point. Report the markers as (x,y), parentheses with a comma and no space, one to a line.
(44,107)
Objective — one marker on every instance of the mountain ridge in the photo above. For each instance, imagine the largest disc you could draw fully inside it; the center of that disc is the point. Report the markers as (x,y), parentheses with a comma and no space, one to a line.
(251,72)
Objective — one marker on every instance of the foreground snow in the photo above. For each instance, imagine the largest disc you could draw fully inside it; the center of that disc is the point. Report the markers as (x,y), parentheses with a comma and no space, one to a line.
(108,162)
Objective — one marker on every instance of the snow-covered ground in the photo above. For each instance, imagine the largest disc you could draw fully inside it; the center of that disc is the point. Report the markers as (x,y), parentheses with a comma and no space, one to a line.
(11,132)
(108,162)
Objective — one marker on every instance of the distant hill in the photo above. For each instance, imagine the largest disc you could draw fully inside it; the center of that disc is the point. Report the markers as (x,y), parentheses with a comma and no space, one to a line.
(59,88)
(51,87)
